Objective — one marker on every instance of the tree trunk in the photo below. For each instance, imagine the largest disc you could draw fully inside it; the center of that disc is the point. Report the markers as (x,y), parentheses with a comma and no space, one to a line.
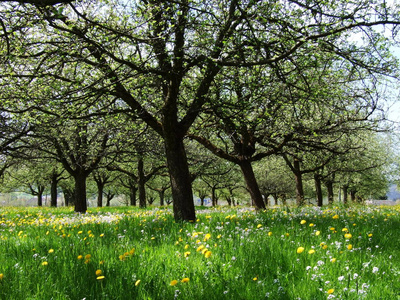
(318,189)
(266,200)
(213,196)
(181,186)
(252,185)
(53,190)
(345,193)
(141,184)
(100,189)
(299,183)
(132,193)
(40,197)
(161,194)
(68,196)
(353,195)
(329,187)
(80,192)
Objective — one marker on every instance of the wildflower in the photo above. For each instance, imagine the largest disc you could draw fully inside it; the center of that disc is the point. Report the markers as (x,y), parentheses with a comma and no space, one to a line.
(88,256)
(269,233)
(348,235)
(207,237)
(255,278)
(1,276)
(51,250)
(317,233)
(302,222)
(311,225)
(330,291)
(201,247)
(80,257)
(99,272)
(345,229)
(341,278)
(173,282)
(100,277)
(300,249)
(185,280)
(186,246)
(259,226)
(101,235)
(45,263)
(137,282)
(311,251)
(375,270)
(333,260)
(349,246)
(335,217)
(207,254)
(370,235)
(186,254)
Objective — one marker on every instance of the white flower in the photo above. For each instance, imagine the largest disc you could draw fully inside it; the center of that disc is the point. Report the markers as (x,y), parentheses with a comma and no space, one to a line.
(375,270)
(341,278)
(355,275)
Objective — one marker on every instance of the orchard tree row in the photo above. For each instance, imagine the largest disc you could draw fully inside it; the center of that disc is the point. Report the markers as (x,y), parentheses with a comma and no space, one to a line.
(143,89)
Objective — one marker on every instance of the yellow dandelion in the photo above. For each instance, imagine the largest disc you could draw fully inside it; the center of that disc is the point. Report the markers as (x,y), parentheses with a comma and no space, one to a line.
(335,217)
(201,247)
(207,237)
(185,280)
(207,254)
(259,226)
(302,222)
(333,260)
(317,232)
(45,263)
(122,257)
(204,250)
(311,251)
(348,235)
(219,236)
(345,229)
(255,278)
(186,254)
(80,257)
(350,246)
(137,282)
(99,272)
(300,250)
(269,233)
(330,291)
(311,225)
(173,282)
(51,250)
(88,256)
(1,276)
(186,246)
(101,235)
(370,235)
(100,277)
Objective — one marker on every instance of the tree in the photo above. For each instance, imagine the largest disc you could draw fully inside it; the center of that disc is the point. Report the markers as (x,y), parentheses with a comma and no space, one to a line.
(161,57)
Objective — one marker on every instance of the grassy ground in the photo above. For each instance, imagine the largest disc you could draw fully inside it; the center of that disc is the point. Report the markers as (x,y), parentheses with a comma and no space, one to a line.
(127,253)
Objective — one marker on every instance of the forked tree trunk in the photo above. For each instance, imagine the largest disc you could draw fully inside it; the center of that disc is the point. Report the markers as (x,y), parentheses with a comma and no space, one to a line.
(80,192)
(181,186)
(252,185)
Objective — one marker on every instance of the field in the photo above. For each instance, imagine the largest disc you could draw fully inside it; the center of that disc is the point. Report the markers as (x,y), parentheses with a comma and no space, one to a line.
(127,253)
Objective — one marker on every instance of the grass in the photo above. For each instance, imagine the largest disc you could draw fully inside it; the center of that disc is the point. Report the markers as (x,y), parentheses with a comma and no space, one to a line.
(127,253)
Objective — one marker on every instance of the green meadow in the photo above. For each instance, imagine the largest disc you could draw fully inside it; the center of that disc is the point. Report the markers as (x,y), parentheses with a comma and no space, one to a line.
(228,253)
